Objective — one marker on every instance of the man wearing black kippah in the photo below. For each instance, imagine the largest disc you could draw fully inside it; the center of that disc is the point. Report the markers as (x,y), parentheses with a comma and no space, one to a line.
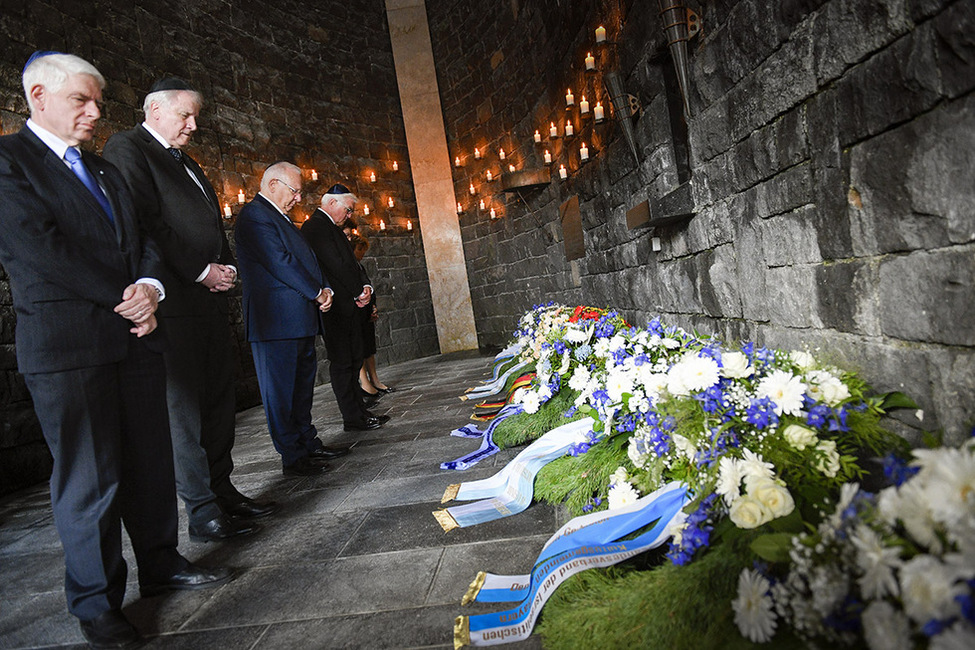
(343,323)
(180,210)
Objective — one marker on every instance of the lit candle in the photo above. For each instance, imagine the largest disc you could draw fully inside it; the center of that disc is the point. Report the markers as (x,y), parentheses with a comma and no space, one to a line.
(569,99)
(372,177)
(390,201)
(548,157)
(590,61)
(584,152)
(482,204)
(477,153)
(598,112)
(538,136)
(240,196)
(562,173)
(501,154)
(488,176)
(409,224)
(457,161)
(365,209)
(568,128)
(227,212)
(600,34)
(460,209)
(584,106)
(382,225)
(494,215)
(395,166)
(553,131)
(472,189)
(314,175)
(511,168)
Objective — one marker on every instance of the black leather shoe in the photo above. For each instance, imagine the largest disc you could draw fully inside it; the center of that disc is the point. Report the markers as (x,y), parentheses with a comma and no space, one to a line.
(221,528)
(111,630)
(305,467)
(328,453)
(245,508)
(191,578)
(381,419)
(369,401)
(386,391)
(367,424)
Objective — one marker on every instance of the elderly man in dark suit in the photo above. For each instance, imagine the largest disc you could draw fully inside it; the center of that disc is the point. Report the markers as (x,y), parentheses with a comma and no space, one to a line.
(284,292)
(85,288)
(179,208)
(343,323)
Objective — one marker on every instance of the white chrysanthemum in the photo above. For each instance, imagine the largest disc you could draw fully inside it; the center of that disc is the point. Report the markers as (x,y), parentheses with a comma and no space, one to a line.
(601,348)
(684,447)
(913,509)
(617,342)
(576,334)
(753,466)
(531,401)
(729,479)
(886,628)
(877,563)
(928,589)
(622,494)
(747,513)
(948,476)
(580,377)
(773,496)
(735,365)
(827,459)
(799,437)
(803,359)
(654,383)
(960,636)
(694,373)
(825,387)
(784,389)
(753,607)
(618,382)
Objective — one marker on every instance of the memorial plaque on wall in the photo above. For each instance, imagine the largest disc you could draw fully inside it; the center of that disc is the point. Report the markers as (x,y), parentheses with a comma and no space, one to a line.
(575,245)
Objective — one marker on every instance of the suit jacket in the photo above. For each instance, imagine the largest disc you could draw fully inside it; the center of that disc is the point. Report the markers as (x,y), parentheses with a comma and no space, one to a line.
(338,264)
(68,265)
(182,220)
(279,275)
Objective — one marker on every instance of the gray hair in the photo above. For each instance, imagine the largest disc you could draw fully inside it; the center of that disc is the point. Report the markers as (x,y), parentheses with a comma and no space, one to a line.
(277,171)
(335,198)
(53,71)
(165,99)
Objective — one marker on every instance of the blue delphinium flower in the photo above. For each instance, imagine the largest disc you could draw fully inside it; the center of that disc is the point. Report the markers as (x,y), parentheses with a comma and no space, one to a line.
(816,415)
(896,470)
(559,346)
(837,420)
(655,327)
(761,413)
(696,533)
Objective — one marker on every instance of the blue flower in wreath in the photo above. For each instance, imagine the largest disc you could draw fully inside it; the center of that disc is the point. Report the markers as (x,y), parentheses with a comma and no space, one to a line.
(761,413)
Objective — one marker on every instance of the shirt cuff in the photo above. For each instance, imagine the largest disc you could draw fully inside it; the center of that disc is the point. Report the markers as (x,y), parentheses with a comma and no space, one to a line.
(155,284)
(203,275)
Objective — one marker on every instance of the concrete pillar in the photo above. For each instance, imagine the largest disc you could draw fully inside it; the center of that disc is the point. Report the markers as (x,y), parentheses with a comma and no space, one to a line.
(432,181)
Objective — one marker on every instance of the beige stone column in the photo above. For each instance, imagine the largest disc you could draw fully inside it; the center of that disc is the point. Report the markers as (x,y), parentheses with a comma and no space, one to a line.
(432,181)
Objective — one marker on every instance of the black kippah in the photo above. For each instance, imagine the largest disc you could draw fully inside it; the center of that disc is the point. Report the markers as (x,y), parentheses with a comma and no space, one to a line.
(170,83)
(338,188)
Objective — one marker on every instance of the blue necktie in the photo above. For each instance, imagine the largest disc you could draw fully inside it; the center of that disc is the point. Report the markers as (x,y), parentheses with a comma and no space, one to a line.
(73,156)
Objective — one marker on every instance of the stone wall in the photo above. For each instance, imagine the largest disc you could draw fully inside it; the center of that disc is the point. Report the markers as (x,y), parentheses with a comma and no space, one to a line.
(829,150)
(303,81)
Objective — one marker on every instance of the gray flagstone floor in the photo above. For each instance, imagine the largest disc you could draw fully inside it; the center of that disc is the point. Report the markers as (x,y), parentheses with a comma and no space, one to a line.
(351,559)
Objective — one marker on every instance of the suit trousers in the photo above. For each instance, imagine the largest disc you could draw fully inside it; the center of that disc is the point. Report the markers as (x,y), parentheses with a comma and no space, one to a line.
(343,341)
(108,432)
(286,372)
(200,396)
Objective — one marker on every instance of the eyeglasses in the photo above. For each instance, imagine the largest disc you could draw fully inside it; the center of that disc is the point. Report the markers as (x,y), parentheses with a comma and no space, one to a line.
(293,190)
(348,211)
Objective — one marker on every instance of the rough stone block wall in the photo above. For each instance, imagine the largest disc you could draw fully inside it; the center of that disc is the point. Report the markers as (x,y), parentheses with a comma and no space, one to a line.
(829,147)
(302,81)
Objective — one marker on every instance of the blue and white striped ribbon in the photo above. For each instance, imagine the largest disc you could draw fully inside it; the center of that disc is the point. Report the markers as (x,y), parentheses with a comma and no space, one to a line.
(494,386)
(487,448)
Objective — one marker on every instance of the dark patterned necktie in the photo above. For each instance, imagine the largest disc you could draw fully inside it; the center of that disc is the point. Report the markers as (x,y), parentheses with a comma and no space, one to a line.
(176,153)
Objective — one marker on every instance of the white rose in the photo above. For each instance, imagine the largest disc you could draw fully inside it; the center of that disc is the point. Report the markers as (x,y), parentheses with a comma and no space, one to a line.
(803,359)
(828,460)
(684,447)
(773,496)
(735,365)
(747,512)
(799,436)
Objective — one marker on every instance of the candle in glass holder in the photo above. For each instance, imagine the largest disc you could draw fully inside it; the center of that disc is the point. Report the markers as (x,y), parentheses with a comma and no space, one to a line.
(457,161)
(584,152)
(562,172)
(511,168)
(568,128)
(460,209)
(569,99)
(227,212)
(372,177)
(482,204)
(600,34)
(584,106)
(390,202)
(488,176)
(409,224)
(494,215)
(395,166)
(365,209)
(472,189)
(597,112)
(590,61)
(240,196)
(538,136)
(477,153)
(548,157)
(501,154)
(553,131)
(314,175)
(382,225)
